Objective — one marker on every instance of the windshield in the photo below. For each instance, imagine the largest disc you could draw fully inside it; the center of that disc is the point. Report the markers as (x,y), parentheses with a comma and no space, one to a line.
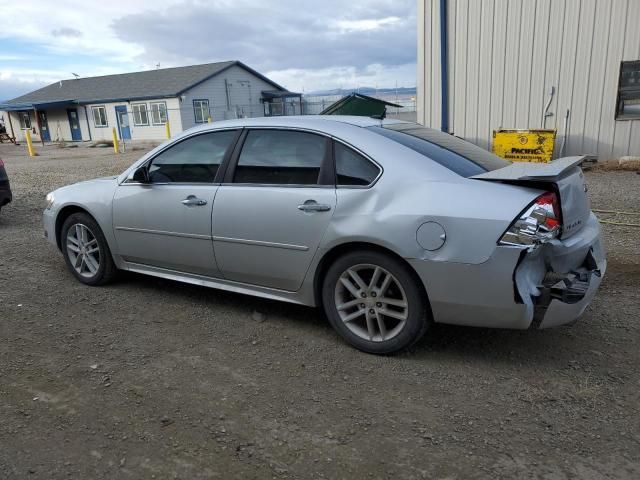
(460,156)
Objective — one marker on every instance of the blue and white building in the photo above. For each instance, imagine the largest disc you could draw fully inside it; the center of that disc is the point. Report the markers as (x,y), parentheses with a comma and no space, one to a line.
(140,104)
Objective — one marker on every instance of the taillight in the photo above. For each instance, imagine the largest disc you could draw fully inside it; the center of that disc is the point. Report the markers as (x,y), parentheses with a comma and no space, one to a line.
(539,223)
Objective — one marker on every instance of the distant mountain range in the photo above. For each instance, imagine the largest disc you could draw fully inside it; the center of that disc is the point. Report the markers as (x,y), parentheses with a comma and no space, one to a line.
(364,91)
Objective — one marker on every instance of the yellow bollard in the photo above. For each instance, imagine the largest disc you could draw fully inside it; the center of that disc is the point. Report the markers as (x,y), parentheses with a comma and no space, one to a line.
(209,120)
(168,128)
(32,152)
(116,146)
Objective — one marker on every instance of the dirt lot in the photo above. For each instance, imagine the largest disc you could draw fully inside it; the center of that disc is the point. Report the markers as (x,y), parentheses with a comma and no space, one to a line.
(148,378)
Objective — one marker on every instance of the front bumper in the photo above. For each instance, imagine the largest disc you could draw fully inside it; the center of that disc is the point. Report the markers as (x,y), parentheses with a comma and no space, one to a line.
(517,288)
(49,224)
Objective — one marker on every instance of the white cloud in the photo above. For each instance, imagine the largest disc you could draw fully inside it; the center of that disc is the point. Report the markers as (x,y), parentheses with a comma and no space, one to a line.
(72,26)
(365,25)
(375,75)
(283,35)
(300,43)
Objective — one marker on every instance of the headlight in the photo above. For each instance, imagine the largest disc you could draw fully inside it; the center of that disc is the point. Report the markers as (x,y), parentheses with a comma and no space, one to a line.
(50,200)
(540,223)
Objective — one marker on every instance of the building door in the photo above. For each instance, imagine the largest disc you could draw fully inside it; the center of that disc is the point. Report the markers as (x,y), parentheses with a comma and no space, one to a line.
(44,127)
(74,124)
(123,122)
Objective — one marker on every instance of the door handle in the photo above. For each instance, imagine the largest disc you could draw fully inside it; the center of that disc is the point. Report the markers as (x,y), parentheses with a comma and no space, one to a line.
(193,201)
(313,206)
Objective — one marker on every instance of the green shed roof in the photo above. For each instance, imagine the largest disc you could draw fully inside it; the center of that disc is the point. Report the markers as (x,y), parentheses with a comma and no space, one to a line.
(360,105)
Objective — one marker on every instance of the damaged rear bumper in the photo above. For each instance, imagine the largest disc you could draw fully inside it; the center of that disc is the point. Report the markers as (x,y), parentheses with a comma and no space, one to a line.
(567,276)
(548,286)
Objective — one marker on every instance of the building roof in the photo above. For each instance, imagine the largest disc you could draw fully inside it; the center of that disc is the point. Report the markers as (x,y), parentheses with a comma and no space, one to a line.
(160,83)
(359,105)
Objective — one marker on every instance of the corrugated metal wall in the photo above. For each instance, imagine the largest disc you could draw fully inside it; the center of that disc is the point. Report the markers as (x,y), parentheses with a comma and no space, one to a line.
(506,55)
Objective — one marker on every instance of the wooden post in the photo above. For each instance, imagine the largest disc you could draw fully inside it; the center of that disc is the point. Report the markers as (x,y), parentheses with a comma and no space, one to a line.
(115,140)
(32,152)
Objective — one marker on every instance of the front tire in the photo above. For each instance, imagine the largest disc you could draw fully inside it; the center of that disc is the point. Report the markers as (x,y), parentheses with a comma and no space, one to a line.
(375,302)
(86,251)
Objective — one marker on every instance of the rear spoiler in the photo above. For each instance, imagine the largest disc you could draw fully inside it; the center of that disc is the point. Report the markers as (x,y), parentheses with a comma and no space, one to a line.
(532,171)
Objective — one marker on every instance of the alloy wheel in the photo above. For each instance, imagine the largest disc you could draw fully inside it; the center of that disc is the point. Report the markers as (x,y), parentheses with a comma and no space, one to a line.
(83,250)
(371,302)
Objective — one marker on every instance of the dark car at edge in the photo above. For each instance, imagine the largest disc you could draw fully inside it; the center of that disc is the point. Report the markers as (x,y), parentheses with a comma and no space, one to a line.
(5,188)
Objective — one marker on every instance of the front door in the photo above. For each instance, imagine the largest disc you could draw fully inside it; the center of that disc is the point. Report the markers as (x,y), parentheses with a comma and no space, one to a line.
(74,124)
(166,223)
(123,122)
(44,127)
(269,220)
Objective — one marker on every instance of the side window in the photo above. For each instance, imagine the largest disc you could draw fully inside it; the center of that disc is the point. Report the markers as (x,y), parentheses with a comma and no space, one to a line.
(352,168)
(194,160)
(280,157)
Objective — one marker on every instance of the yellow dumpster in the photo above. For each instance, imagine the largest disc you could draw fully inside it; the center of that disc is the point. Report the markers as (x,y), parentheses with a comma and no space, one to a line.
(524,145)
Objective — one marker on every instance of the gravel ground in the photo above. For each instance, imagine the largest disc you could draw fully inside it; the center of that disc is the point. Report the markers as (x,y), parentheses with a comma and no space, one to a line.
(148,378)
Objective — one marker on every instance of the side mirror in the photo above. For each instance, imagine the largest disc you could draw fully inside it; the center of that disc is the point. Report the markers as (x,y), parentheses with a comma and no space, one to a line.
(141,175)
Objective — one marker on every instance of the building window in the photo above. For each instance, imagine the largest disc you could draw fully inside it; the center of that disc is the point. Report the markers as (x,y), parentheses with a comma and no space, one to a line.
(25,120)
(628,106)
(140,115)
(158,113)
(99,116)
(201,110)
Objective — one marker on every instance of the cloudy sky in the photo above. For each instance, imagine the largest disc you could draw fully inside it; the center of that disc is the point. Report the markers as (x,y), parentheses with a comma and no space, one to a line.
(302,44)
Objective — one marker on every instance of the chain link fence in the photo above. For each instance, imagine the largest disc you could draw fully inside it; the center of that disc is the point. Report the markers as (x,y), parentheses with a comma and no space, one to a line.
(309,106)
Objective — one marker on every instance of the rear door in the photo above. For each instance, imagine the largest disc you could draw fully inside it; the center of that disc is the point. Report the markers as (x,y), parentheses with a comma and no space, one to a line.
(274,207)
(167,222)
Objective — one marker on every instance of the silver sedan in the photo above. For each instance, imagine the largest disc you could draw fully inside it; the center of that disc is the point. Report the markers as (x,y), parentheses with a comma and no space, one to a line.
(386,225)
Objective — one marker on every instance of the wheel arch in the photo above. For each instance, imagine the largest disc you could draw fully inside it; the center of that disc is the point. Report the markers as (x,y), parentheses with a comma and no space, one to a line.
(64,213)
(337,251)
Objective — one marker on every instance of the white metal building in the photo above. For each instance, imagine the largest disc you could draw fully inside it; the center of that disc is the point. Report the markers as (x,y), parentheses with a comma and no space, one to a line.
(139,104)
(572,65)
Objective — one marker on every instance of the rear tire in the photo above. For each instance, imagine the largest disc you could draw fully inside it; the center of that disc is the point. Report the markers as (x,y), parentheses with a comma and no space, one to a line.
(86,251)
(375,302)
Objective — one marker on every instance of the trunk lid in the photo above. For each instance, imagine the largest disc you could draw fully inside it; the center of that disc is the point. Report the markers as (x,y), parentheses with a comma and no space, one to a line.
(563,176)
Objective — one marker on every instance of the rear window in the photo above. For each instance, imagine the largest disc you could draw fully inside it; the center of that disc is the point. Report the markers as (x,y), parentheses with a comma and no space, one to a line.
(352,168)
(459,156)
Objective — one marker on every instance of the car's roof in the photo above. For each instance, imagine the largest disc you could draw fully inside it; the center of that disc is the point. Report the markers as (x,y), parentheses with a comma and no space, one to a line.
(301,121)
